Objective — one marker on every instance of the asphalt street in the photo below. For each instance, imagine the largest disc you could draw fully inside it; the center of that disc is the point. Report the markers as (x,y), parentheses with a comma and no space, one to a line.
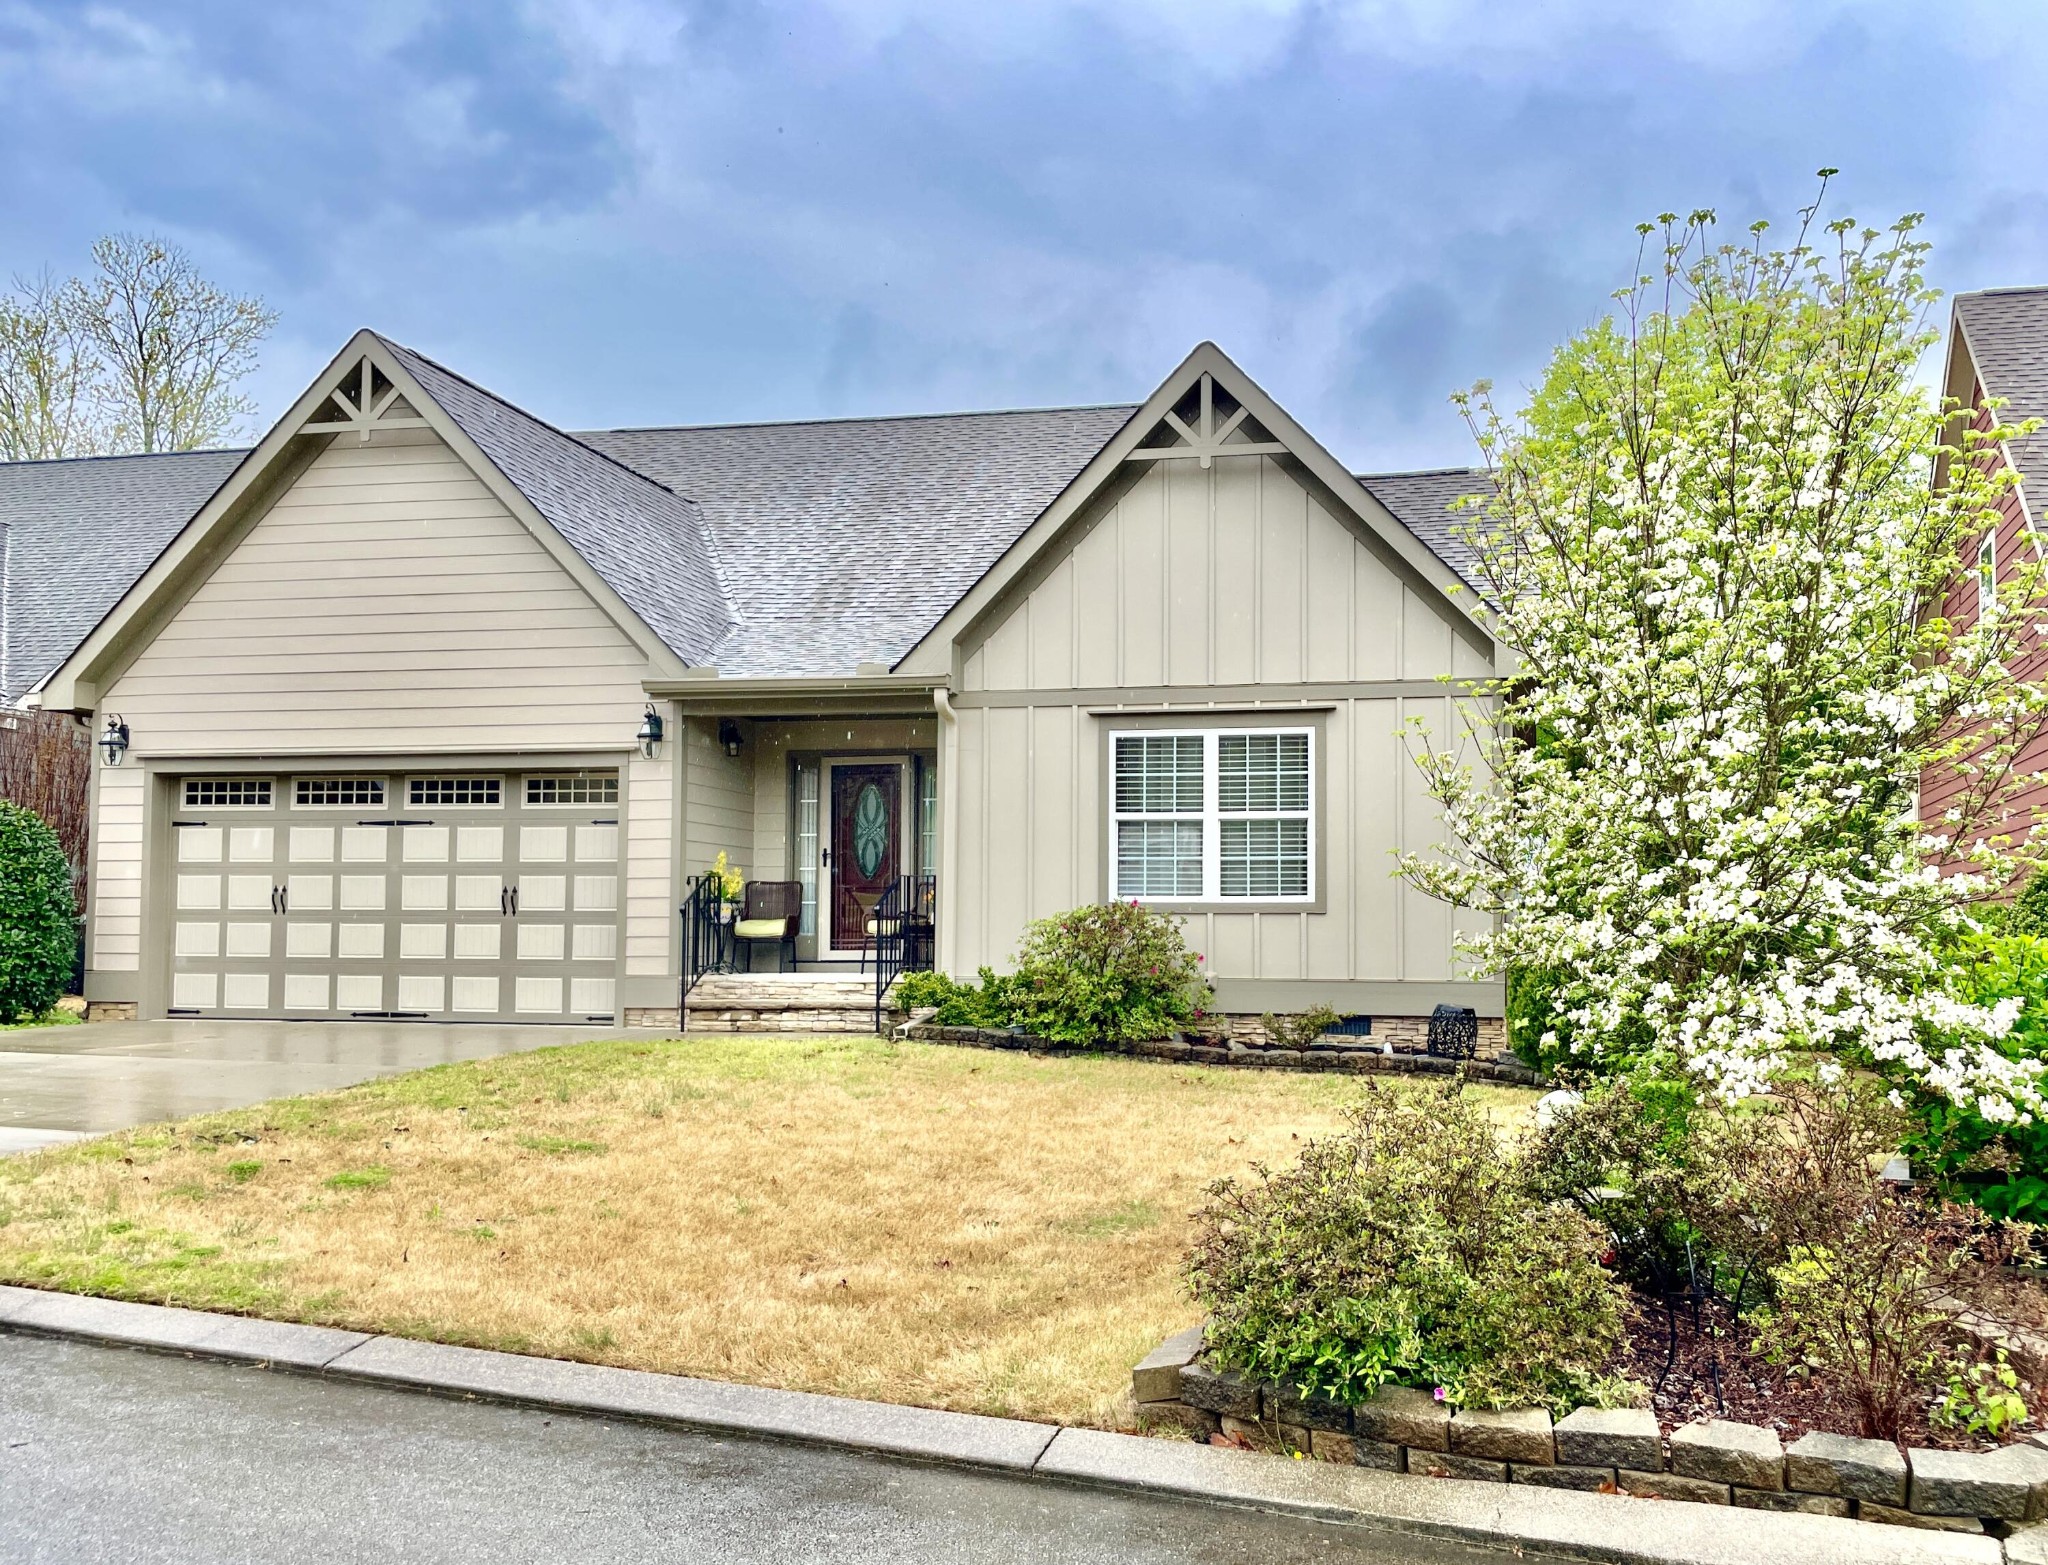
(115,1455)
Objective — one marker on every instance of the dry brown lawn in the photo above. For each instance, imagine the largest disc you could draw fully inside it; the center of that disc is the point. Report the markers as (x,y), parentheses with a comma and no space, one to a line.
(947,1227)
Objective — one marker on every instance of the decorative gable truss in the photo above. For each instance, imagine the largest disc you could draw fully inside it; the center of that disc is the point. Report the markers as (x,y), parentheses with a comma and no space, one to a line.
(1206,423)
(364,402)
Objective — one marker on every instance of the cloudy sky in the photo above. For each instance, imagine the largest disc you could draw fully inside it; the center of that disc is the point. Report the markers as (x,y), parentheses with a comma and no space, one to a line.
(660,211)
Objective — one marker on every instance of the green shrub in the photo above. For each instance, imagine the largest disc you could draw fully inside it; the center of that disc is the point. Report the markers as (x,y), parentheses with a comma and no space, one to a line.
(1408,1249)
(1111,973)
(1299,1029)
(958,1005)
(38,915)
(2027,912)
(2000,1168)
(1633,1159)
(1530,1017)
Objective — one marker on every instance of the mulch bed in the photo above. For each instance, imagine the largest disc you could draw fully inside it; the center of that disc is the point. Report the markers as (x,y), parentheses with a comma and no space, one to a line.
(1701,1362)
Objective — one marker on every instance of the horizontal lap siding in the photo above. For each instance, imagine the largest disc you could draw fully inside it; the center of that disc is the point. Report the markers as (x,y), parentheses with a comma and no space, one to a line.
(1940,786)
(719,801)
(1234,576)
(117,836)
(650,830)
(387,602)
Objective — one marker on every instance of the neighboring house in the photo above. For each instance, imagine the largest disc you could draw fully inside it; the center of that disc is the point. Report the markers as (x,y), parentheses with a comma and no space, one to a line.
(383,675)
(1998,348)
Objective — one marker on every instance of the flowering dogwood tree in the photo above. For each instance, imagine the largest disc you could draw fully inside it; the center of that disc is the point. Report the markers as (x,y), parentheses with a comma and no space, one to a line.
(1716,549)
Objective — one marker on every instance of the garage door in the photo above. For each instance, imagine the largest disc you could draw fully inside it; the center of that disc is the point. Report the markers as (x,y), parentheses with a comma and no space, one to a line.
(451,897)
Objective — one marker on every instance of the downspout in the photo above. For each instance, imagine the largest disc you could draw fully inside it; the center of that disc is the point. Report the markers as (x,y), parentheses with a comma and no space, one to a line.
(949,822)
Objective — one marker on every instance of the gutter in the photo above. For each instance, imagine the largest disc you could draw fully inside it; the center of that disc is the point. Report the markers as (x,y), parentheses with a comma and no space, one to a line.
(707,683)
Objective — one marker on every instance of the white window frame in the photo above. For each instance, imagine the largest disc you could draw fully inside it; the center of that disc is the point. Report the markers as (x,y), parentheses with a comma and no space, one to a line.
(1987,575)
(1212,816)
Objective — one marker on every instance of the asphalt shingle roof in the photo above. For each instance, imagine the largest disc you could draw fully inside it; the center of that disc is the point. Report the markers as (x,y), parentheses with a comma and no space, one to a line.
(74,535)
(759,549)
(1421,502)
(647,542)
(844,541)
(2007,329)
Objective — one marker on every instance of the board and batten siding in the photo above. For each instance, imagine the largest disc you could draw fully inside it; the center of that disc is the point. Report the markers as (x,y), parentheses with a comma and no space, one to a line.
(1239,575)
(386,603)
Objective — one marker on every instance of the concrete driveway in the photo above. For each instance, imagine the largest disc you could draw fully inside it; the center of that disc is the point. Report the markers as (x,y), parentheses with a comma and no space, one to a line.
(61,1083)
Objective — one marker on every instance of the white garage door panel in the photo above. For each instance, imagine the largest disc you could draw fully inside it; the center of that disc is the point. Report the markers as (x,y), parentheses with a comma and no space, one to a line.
(399,908)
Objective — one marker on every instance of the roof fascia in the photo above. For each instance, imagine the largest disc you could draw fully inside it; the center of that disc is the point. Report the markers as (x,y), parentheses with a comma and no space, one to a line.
(263,475)
(933,654)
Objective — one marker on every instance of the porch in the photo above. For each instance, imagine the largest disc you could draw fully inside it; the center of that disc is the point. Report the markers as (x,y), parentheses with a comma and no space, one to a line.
(809,848)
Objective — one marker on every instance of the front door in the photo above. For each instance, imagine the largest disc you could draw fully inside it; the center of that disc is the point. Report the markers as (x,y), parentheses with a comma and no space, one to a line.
(867,822)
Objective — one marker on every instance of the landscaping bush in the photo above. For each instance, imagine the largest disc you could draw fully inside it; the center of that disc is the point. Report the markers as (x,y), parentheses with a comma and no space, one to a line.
(1531,1017)
(957,1004)
(1408,1249)
(1860,1274)
(1115,972)
(38,917)
(2001,1167)
(1637,1158)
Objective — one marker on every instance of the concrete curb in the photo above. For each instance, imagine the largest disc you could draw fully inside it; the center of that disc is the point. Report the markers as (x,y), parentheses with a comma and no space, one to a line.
(1611,1529)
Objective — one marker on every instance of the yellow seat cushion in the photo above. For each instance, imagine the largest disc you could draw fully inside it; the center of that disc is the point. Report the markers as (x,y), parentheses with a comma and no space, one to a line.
(761,928)
(881,926)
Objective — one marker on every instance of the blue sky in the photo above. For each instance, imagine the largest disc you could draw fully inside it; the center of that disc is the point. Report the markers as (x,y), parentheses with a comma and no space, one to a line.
(647,211)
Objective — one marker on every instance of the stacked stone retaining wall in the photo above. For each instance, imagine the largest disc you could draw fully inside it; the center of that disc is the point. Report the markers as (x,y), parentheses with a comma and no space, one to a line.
(1607,1450)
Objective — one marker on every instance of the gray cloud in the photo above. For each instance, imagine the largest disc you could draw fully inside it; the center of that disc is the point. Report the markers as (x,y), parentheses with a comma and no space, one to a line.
(635,210)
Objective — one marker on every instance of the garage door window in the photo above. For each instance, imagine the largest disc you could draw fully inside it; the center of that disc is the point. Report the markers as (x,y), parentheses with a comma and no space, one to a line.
(227,793)
(314,792)
(572,790)
(455,791)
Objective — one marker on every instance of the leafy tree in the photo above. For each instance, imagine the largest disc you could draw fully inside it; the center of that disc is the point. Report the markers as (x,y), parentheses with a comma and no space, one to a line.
(1715,547)
(38,918)
(143,355)
(49,377)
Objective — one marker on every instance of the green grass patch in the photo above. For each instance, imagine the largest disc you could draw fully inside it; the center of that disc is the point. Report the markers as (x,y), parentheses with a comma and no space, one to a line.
(375,1177)
(47,1019)
(1129,1217)
(562,1146)
(244,1171)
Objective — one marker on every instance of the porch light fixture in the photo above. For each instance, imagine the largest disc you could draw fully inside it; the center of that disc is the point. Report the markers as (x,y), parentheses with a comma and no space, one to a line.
(650,733)
(729,736)
(114,742)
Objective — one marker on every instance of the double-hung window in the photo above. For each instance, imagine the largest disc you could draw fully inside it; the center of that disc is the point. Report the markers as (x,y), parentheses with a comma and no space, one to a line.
(1987,575)
(1216,815)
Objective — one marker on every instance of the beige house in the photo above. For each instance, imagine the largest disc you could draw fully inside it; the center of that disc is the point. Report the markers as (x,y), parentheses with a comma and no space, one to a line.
(424,708)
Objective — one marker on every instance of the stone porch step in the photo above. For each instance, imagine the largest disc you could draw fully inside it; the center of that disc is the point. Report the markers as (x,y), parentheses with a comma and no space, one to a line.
(786,1002)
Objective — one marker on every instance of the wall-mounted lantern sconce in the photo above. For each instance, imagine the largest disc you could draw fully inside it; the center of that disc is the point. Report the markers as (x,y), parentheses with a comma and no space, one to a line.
(114,742)
(650,734)
(729,736)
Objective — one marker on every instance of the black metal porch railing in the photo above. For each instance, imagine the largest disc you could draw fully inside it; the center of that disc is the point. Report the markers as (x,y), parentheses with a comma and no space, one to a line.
(906,931)
(708,915)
